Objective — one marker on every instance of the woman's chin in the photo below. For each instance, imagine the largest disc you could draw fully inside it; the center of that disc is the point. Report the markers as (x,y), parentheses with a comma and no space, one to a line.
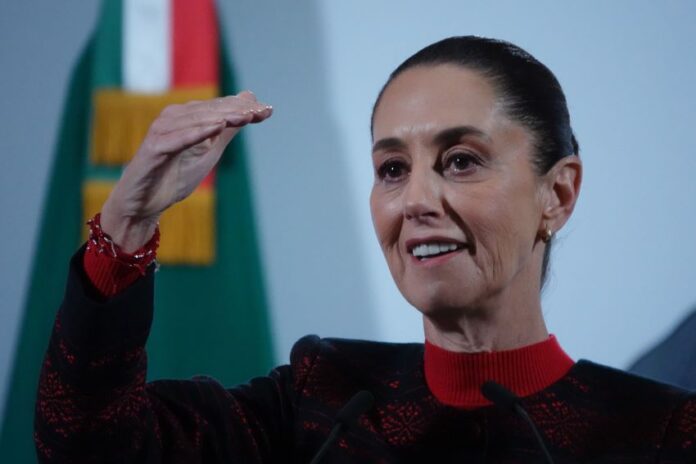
(443,303)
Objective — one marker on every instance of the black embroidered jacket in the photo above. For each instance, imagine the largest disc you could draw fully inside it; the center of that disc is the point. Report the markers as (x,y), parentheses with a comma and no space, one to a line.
(94,404)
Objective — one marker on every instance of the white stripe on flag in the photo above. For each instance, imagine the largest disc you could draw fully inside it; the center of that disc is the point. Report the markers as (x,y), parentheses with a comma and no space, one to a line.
(146,45)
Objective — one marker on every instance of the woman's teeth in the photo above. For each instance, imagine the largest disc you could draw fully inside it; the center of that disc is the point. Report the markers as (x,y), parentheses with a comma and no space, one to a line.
(431,249)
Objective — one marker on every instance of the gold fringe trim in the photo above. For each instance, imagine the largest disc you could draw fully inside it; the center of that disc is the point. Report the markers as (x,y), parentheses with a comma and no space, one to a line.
(187,228)
(94,194)
(121,119)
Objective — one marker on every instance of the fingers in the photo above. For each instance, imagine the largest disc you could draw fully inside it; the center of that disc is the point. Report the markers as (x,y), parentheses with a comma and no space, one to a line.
(247,95)
(201,119)
(235,111)
(259,114)
(245,102)
(176,141)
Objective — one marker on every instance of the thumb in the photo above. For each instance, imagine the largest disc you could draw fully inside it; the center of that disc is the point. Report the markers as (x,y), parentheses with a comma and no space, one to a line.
(247,95)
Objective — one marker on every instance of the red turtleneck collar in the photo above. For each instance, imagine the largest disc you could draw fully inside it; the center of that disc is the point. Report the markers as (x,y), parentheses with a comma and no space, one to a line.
(456,378)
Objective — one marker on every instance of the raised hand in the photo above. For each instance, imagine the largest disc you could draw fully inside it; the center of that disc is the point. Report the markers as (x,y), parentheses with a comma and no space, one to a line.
(181,147)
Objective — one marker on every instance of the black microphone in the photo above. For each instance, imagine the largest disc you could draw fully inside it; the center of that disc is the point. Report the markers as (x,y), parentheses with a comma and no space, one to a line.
(358,404)
(505,399)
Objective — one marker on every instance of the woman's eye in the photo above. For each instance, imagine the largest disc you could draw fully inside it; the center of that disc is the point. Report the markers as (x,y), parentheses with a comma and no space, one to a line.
(460,162)
(392,171)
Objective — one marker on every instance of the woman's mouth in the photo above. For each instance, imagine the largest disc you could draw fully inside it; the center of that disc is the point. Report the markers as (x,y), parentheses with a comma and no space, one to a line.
(430,251)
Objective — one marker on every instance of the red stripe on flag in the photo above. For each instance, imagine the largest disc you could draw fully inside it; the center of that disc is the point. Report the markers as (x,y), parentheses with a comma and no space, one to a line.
(195,53)
(208,181)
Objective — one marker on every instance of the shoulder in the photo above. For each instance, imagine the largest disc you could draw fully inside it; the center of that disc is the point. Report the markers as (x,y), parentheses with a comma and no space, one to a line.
(664,413)
(623,391)
(352,350)
(625,386)
(338,368)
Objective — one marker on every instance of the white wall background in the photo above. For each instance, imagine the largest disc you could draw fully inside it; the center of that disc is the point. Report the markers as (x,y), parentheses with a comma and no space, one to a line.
(623,272)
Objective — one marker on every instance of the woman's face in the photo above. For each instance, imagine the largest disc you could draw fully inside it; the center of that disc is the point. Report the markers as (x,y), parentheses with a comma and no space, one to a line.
(456,203)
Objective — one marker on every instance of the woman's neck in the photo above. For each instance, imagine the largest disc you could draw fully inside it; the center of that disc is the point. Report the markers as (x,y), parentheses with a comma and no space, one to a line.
(506,327)
(500,319)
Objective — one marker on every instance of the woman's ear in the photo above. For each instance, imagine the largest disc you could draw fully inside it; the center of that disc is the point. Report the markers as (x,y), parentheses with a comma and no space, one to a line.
(563,187)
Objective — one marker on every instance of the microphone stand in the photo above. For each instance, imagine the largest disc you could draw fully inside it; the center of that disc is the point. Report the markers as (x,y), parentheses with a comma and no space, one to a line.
(506,400)
(358,404)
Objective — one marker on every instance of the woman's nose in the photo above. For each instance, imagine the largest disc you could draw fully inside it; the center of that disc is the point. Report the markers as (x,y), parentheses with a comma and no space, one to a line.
(422,196)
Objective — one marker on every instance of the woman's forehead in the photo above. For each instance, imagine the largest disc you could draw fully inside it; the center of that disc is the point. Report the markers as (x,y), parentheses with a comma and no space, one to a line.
(427,99)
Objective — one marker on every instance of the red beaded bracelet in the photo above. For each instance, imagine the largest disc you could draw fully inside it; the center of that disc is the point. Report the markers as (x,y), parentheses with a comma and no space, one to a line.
(100,242)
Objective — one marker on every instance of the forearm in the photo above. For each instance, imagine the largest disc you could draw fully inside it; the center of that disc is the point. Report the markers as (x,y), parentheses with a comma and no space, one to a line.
(93,378)
(94,405)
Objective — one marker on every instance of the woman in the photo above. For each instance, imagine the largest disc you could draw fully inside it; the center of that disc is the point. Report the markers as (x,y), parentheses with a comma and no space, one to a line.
(476,167)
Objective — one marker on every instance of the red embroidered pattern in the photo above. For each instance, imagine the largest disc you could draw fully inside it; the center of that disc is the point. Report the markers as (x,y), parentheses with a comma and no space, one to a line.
(402,424)
(94,406)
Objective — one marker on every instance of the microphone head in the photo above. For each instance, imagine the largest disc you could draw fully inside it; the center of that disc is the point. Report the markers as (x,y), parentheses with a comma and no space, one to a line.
(358,404)
(499,395)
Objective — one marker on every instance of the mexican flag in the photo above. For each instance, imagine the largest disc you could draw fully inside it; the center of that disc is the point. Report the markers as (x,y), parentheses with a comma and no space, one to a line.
(211,314)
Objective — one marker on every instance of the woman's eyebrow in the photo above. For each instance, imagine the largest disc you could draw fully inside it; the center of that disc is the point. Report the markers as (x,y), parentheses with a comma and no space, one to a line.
(389,143)
(453,135)
(445,137)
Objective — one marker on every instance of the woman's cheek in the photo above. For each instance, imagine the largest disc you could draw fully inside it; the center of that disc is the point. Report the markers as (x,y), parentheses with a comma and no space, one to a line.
(387,216)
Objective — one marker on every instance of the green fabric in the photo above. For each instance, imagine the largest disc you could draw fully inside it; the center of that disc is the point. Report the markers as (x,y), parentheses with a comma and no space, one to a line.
(59,235)
(106,71)
(208,320)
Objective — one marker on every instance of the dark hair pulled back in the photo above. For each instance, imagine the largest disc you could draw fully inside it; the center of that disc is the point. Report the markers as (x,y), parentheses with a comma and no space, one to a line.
(528,91)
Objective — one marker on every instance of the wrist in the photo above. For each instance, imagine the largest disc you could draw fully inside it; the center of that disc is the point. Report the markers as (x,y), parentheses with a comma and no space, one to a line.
(128,232)
(100,244)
